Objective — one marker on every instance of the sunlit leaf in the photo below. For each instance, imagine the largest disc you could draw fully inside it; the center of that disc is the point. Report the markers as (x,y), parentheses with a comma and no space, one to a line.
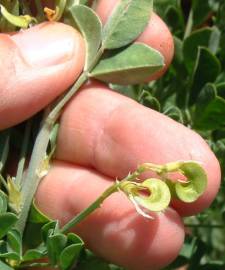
(131,65)
(127,21)
(90,26)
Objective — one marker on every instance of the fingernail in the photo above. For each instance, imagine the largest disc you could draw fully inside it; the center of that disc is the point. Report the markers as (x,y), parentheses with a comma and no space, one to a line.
(47,44)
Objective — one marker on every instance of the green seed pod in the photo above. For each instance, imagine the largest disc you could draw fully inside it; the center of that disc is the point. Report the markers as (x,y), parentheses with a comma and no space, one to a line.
(196,182)
(159,195)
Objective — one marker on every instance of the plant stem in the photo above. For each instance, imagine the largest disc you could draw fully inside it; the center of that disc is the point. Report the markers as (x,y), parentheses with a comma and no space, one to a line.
(2,180)
(33,177)
(97,203)
(86,212)
(20,169)
(189,25)
(54,114)
(5,151)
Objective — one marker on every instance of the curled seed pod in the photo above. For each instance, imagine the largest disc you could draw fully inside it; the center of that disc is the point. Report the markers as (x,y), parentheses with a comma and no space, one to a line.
(159,195)
(196,182)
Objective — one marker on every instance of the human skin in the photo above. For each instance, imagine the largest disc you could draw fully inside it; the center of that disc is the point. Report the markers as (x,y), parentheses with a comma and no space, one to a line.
(102,135)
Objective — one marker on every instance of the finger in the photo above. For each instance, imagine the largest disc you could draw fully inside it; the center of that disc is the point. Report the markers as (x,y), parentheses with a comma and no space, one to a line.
(156,34)
(115,231)
(113,134)
(36,66)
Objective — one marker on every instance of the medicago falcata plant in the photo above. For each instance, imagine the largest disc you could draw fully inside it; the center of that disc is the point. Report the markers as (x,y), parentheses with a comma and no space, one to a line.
(108,51)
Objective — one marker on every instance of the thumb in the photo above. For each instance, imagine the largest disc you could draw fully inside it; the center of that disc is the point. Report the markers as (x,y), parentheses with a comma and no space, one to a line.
(36,66)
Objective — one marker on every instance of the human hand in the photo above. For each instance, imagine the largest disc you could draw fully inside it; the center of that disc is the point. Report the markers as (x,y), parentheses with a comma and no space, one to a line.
(103,135)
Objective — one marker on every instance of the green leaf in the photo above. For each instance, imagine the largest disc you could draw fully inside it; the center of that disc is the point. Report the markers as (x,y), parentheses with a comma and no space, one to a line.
(55,244)
(207,68)
(149,101)
(210,109)
(74,239)
(14,240)
(221,89)
(174,113)
(174,19)
(7,253)
(127,21)
(33,254)
(49,229)
(160,6)
(10,256)
(69,256)
(205,37)
(7,221)
(91,28)
(3,203)
(36,216)
(131,65)
(201,11)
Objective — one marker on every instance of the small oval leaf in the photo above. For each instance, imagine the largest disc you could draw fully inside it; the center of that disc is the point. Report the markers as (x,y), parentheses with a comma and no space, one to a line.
(131,65)
(127,22)
(14,240)
(33,254)
(7,221)
(91,28)
(69,256)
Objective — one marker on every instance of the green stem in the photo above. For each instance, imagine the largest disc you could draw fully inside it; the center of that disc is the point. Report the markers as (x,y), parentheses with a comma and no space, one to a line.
(2,180)
(54,114)
(33,177)
(97,203)
(20,169)
(86,212)
(5,150)
(189,25)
